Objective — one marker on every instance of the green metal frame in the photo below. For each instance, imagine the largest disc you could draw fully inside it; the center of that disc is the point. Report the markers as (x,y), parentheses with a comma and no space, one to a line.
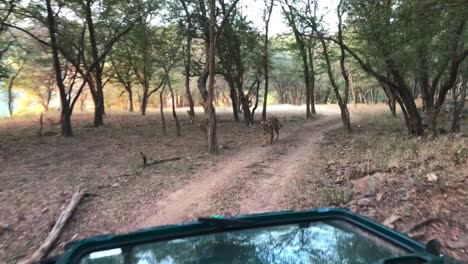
(79,248)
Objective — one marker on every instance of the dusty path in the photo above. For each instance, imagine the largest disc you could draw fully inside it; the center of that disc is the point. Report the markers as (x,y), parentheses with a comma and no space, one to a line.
(253,181)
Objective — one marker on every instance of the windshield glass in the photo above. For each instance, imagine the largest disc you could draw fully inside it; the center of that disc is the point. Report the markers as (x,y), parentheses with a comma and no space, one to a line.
(317,242)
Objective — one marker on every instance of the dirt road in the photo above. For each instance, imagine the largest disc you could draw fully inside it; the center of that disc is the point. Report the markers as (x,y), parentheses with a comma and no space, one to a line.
(252,181)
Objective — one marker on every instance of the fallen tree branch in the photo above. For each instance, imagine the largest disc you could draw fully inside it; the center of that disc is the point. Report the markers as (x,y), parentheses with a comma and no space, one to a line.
(154,162)
(417,225)
(461,243)
(54,234)
(145,160)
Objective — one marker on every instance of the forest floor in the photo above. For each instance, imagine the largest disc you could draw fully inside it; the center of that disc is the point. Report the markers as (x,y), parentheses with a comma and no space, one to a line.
(377,171)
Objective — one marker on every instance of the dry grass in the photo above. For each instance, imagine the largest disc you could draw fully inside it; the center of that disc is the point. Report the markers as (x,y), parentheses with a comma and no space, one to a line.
(39,174)
(380,143)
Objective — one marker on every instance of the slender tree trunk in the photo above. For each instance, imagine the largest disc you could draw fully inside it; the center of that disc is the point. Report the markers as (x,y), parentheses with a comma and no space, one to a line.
(65,120)
(145,81)
(174,114)
(403,110)
(97,71)
(47,101)
(10,90)
(455,61)
(188,93)
(99,113)
(312,79)
(327,95)
(266,59)
(459,99)
(83,101)
(459,105)
(256,101)
(353,90)
(414,118)
(10,99)
(233,95)
(304,57)
(161,109)
(144,103)
(188,60)
(130,99)
(211,115)
(226,100)
(246,110)
(243,99)
(390,98)
(343,102)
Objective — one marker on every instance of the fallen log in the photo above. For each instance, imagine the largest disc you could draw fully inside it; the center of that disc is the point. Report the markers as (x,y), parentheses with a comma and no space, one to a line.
(54,234)
(153,162)
(417,225)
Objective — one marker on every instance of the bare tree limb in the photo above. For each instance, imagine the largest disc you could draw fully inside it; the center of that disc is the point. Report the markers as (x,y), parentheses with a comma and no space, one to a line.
(56,231)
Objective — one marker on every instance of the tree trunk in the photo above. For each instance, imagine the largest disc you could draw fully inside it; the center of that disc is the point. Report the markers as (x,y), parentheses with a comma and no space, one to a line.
(47,102)
(303,53)
(65,121)
(65,117)
(130,100)
(414,118)
(10,99)
(161,109)
(327,95)
(174,114)
(256,101)
(210,110)
(342,102)
(459,99)
(459,105)
(144,101)
(390,97)
(243,99)
(265,59)
(345,117)
(353,91)
(455,62)
(233,95)
(83,101)
(99,114)
(10,90)
(312,78)
(188,60)
(246,110)
(97,71)
(226,100)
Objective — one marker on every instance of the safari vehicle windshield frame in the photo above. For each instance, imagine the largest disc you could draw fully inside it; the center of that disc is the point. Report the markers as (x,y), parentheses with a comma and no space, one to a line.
(80,248)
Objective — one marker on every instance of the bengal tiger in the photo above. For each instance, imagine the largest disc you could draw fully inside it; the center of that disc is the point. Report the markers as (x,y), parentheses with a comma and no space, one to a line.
(271,126)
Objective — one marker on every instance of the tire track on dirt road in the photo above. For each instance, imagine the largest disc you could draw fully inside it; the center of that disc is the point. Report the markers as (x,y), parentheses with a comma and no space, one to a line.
(257,193)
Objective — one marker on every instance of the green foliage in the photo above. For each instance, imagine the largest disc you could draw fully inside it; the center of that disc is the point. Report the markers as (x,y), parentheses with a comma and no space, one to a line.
(401,30)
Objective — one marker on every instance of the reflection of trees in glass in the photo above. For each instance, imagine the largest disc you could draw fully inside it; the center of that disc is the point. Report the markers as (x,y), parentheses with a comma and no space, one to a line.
(317,243)
(118,259)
